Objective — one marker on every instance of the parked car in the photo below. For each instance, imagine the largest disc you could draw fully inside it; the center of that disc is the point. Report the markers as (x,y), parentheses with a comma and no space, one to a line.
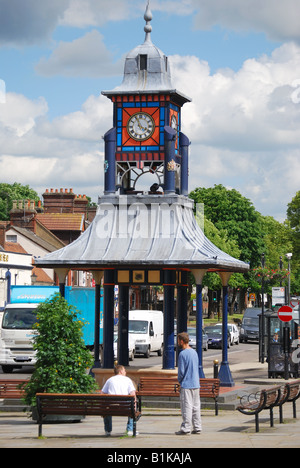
(193,340)
(250,325)
(131,347)
(234,333)
(215,336)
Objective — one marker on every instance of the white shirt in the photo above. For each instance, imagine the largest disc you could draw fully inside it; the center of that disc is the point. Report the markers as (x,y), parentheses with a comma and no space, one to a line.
(118,385)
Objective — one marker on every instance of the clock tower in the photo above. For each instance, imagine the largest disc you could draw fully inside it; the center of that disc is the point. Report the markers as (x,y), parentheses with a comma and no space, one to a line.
(146,136)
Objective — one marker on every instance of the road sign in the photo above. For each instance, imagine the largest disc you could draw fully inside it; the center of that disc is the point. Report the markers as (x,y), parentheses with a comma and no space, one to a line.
(285,313)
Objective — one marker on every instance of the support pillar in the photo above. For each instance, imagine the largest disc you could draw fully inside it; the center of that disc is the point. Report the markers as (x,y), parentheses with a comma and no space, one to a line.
(182,308)
(108,320)
(199,275)
(123,355)
(98,275)
(184,144)
(169,296)
(110,139)
(225,376)
(170,137)
(182,304)
(62,274)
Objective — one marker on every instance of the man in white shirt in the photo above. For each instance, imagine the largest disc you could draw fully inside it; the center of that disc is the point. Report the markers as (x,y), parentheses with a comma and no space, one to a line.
(119,384)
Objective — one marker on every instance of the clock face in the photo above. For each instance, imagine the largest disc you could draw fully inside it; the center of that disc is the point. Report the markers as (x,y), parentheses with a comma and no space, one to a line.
(141,126)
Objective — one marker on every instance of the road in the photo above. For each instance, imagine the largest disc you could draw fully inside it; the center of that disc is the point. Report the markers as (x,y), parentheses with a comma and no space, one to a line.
(244,352)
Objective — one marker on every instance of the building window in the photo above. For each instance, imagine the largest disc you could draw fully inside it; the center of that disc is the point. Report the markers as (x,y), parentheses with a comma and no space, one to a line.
(12,238)
(143,62)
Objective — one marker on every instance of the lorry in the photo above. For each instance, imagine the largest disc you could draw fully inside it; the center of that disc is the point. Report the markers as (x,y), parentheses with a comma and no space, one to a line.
(146,328)
(18,317)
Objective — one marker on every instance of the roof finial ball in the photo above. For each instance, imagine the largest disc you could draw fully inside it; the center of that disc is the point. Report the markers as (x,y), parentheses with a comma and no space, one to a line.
(148,18)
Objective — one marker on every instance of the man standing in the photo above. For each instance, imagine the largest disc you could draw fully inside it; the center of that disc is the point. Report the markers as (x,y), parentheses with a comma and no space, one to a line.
(119,384)
(188,378)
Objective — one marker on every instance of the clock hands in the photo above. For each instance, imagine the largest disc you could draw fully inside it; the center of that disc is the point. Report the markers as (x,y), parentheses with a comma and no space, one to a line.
(140,126)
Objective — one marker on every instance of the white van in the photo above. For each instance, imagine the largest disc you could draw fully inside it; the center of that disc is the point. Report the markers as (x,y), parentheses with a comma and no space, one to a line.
(16,347)
(146,328)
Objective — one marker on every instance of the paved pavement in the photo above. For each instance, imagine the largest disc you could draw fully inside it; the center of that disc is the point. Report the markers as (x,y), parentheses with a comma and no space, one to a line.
(230,429)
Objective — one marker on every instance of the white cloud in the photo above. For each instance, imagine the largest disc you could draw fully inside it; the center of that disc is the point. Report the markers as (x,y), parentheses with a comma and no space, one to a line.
(278,19)
(244,129)
(83,57)
(19,113)
(244,126)
(82,13)
(29,21)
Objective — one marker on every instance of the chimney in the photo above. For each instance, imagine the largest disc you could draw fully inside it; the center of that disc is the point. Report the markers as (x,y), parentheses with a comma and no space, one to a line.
(2,235)
(23,214)
(60,201)
(81,204)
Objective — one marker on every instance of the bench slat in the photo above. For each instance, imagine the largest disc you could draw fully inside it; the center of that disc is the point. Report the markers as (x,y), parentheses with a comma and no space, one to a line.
(87,405)
(169,387)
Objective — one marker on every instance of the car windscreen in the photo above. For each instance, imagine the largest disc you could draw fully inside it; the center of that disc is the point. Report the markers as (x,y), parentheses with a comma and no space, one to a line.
(138,326)
(213,330)
(251,321)
(19,319)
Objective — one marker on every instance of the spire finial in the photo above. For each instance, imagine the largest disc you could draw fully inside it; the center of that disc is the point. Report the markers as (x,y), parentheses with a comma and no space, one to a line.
(148,18)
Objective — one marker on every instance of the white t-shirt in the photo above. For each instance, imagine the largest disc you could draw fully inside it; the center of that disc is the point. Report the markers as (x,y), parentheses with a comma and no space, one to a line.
(118,385)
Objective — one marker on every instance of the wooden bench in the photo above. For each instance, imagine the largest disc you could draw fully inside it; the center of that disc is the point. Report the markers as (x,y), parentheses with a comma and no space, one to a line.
(169,387)
(11,389)
(289,394)
(87,405)
(254,404)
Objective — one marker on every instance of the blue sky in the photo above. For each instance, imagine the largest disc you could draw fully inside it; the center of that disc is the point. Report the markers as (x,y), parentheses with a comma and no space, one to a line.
(238,61)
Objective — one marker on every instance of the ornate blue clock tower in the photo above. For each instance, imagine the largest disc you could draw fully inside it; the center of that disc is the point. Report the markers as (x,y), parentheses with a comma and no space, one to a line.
(142,238)
(146,134)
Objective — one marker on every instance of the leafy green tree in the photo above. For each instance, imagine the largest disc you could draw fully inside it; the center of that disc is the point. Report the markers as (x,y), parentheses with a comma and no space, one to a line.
(228,210)
(10,192)
(293,216)
(62,357)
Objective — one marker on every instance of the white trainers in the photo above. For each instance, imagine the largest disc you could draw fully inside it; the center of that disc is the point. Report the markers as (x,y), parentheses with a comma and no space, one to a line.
(130,433)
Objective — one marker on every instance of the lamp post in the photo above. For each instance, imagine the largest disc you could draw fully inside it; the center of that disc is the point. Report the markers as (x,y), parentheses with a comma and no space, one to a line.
(262,338)
(289,256)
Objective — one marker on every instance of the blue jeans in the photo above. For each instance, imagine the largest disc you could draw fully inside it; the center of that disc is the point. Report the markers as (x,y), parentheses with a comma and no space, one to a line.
(108,424)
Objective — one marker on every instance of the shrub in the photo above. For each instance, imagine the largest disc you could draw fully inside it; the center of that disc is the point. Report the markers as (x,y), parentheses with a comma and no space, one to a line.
(62,358)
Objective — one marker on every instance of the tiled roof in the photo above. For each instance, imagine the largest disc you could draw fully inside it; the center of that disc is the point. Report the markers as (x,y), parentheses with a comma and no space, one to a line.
(14,247)
(62,221)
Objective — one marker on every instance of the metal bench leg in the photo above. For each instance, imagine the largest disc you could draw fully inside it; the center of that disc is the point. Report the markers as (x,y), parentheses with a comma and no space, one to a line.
(256,423)
(294,410)
(271,418)
(216,407)
(134,428)
(40,423)
(281,414)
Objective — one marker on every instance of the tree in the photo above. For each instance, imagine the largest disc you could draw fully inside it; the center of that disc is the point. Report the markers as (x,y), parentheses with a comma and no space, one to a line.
(62,357)
(10,192)
(293,216)
(228,210)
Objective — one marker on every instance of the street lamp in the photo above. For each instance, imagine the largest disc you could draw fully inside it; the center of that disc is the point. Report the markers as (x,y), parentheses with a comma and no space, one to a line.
(289,256)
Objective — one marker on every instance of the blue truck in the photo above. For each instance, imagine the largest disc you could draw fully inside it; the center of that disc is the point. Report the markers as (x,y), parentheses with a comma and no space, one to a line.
(18,317)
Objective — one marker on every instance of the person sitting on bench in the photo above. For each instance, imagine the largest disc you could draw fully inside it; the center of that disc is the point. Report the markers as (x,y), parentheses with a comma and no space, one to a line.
(119,384)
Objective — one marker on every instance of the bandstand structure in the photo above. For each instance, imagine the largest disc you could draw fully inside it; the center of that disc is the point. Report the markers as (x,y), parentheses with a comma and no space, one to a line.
(146,238)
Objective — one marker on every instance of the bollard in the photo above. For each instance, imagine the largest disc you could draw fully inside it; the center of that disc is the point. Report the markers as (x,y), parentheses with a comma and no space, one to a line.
(216,369)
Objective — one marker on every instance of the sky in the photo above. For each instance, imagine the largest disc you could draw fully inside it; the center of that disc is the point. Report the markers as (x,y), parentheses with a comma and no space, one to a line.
(239,62)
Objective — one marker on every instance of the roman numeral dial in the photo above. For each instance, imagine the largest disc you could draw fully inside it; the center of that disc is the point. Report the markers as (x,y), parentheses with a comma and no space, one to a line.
(141,126)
